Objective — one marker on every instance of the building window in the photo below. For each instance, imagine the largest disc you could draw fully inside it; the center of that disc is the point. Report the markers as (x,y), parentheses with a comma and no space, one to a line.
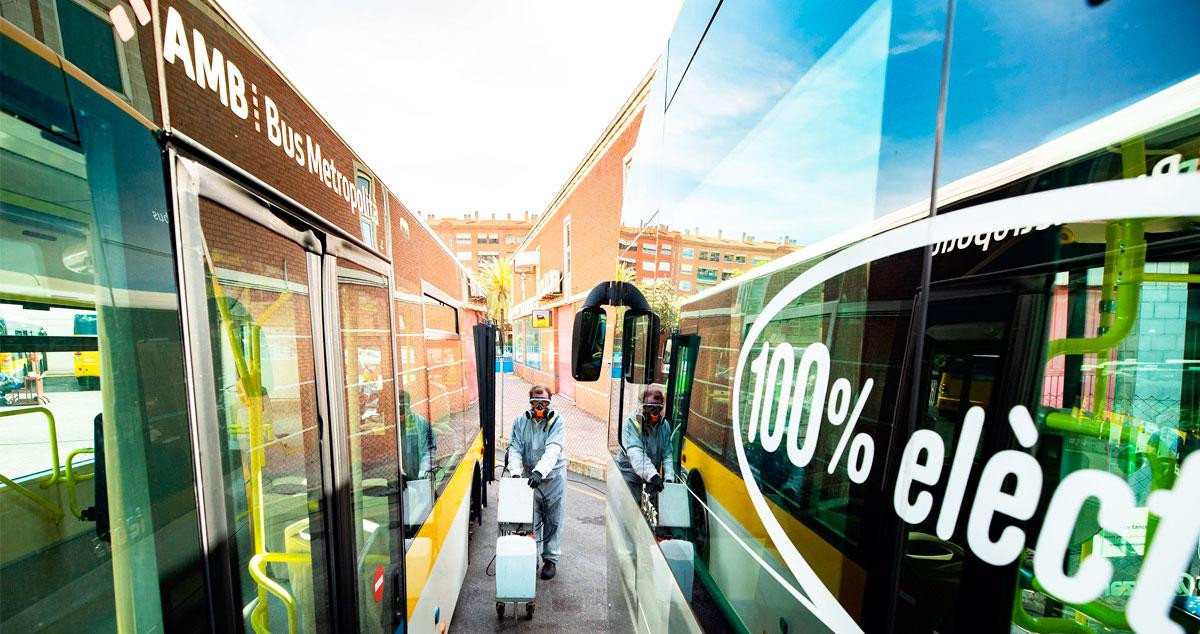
(666,249)
(706,275)
(728,257)
(726,275)
(761,261)
(623,246)
(462,238)
(689,253)
(686,269)
(685,285)
(90,43)
(740,259)
(493,238)
(481,238)
(664,266)
(647,265)
(368,220)
(465,256)
(649,249)
(510,238)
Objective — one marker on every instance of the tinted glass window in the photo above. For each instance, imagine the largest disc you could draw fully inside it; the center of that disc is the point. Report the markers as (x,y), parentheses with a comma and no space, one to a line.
(99,525)
(1022,80)
(89,43)
(829,108)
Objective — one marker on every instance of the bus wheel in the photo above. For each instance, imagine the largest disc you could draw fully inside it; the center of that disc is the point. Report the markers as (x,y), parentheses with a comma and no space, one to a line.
(698,531)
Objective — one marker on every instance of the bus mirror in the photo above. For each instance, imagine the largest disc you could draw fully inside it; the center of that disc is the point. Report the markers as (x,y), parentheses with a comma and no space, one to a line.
(587,344)
(639,347)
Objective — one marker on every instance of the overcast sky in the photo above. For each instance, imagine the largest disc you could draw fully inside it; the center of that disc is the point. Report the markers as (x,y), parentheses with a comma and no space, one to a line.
(464,105)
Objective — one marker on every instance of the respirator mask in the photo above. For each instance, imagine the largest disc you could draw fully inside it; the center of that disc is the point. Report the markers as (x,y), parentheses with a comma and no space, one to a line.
(539,408)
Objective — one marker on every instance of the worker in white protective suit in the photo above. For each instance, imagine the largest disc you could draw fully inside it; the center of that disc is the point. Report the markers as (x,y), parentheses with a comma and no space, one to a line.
(646,446)
(535,451)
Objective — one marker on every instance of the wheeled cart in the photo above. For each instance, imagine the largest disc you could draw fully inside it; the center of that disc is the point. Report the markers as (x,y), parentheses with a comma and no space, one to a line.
(516,548)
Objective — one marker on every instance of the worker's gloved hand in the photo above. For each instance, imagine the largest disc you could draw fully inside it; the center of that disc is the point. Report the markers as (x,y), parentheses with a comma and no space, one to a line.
(655,484)
(535,479)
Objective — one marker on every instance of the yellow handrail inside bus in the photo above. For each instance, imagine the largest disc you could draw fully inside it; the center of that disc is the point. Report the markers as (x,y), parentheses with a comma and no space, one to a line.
(55,465)
(53,510)
(258,571)
(249,372)
(71,479)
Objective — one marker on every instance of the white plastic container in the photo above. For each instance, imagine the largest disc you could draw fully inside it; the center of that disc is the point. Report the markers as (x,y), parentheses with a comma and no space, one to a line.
(516,568)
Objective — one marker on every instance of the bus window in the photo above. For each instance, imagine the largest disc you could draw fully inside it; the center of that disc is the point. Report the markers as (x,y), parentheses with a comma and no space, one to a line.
(1092,331)
(98,529)
(87,362)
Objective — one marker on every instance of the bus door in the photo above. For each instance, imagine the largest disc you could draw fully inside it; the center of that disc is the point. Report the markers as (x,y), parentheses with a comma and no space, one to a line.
(295,411)
(358,329)
(980,340)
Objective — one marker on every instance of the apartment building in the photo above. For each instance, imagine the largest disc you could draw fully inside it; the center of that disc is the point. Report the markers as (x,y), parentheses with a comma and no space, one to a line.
(475,239)
(694,262)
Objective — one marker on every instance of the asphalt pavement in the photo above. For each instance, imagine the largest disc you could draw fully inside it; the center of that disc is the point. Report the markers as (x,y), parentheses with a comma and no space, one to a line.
(576,599)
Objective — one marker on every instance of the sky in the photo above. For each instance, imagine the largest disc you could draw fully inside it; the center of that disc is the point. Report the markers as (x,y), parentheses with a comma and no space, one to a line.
(466,105)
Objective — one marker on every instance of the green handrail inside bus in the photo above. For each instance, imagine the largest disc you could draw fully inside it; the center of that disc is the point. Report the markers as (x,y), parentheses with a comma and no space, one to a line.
(1124,270)
(1103,613)
(71,479)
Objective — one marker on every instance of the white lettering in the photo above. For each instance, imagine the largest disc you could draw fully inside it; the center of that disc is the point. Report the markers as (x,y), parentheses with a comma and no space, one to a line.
(960,471)
(758,368)
(815,356)
(175,43)
(773,434)
(1169,165)
(274,135)
(1174,543)
(990,499)
(299,143)
(1115,512)
(237,91)
(927,443)
(210,72)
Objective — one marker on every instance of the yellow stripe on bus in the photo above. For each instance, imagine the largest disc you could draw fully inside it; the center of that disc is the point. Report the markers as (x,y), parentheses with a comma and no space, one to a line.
(844,578)
(419,562)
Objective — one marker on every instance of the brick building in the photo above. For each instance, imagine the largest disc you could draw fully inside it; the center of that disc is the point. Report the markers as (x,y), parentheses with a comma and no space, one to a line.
(570,249)
(476,240)
(693,262)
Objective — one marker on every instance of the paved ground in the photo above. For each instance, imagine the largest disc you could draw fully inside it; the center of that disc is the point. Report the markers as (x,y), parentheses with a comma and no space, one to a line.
(587,436)
(576,600)
(25,438)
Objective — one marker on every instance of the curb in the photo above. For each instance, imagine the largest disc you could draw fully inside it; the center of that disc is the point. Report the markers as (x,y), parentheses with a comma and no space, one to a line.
(585,466)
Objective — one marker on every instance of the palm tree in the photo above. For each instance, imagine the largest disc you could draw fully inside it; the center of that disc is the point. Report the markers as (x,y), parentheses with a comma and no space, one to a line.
(495,277)
(625,273)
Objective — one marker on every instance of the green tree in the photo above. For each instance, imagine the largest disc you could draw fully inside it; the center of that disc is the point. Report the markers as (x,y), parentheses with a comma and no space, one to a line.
(663,300)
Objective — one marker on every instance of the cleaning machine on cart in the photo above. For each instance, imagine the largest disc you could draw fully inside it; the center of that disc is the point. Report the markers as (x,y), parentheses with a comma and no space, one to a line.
(516,547)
